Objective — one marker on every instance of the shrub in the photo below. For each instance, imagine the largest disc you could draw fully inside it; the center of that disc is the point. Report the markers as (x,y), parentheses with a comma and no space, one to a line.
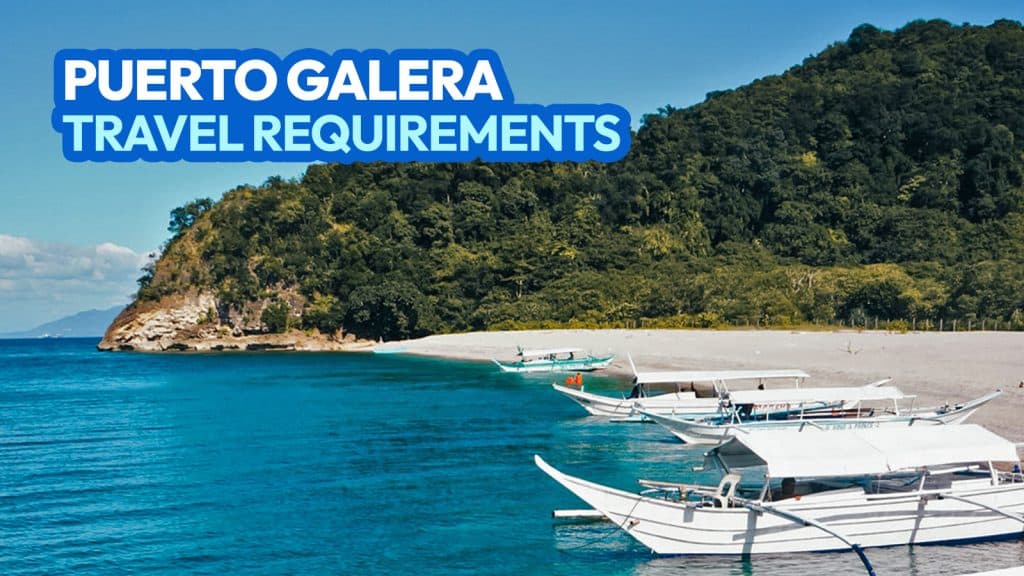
(275,317)
(900,326)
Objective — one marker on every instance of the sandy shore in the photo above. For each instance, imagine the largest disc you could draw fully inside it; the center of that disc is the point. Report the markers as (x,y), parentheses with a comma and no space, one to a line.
(937,367)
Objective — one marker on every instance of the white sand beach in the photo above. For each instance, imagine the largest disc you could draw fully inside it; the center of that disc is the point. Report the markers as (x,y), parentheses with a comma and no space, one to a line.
(937,367)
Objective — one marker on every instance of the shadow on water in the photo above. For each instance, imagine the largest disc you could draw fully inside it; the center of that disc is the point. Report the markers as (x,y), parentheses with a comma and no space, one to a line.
(908,561)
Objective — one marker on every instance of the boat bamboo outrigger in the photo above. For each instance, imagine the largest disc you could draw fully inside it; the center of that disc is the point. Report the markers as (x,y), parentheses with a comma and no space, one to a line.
(555,360)
(815,490)
(856,414)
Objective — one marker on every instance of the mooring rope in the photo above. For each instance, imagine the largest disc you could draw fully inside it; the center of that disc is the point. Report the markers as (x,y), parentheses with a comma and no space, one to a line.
(608,532)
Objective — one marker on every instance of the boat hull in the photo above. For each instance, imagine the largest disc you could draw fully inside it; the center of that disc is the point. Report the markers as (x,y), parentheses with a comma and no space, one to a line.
(684,405)
(622,408)
(869,520)
(696,432)
(588,364)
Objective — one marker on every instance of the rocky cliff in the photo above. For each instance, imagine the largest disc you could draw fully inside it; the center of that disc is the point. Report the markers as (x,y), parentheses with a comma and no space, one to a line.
(198,322)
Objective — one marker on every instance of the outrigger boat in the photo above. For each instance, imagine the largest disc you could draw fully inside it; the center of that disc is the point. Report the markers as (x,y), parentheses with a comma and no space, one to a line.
(555,360)
(815,491)
(679,401)
(686,403)
(717,429)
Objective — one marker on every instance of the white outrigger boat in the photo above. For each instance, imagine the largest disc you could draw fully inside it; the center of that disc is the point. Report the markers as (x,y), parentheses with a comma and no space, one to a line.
(679,401)
(555,360)
(717,429)
(839,490)
(686,403)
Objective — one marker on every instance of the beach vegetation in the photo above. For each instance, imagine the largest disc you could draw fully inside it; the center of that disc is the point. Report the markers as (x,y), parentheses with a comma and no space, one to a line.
(880,181)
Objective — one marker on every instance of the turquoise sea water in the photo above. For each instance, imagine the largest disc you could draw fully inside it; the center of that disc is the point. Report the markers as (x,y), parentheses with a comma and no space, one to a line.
(332,464)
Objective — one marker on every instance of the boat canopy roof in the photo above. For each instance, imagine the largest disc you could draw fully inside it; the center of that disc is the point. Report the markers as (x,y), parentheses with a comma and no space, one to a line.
(548,351)
(806,395)
(811,452)
(715,376)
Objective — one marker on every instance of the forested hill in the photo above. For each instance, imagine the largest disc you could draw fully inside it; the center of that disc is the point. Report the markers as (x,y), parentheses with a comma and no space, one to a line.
(883,178)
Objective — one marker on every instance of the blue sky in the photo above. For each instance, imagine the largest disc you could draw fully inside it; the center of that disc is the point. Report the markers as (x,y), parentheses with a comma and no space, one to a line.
(73,235)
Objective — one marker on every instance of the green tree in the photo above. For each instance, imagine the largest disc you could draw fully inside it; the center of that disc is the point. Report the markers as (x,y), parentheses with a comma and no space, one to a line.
(275,317)
(392,310)
(183,217)
(325,313)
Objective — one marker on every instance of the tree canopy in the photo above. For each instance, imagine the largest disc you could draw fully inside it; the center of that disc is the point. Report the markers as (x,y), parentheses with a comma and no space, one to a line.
(883,177)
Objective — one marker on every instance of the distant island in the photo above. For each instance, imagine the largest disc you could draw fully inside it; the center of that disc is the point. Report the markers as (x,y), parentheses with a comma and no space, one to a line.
(879,183)
(87,324)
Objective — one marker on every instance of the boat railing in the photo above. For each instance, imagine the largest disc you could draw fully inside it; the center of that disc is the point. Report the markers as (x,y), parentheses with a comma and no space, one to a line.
(694,495)
(676,491)
(810,423)
(926,419)
(1016,477)
(910,489)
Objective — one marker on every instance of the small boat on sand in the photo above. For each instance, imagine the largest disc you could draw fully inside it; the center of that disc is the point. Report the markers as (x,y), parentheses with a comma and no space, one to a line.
(812,490)
(555,360)
(716,429)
